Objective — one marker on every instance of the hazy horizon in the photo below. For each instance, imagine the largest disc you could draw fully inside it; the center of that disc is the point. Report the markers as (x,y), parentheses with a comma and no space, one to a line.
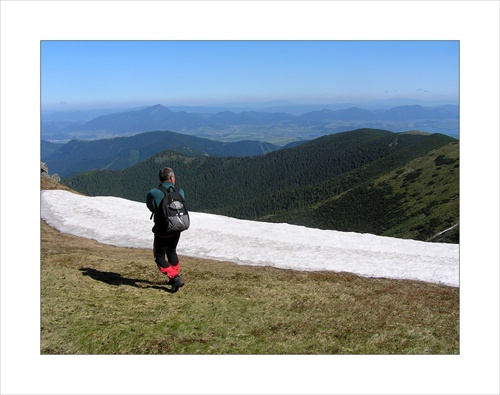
(382,103)
(98,74)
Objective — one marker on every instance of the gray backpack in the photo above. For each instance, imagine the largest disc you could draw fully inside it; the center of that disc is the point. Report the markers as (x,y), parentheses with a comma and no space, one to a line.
(172,215)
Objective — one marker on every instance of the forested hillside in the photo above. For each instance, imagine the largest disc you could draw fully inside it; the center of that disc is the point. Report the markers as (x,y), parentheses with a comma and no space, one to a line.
(416,200)
(367,180)
(78,156)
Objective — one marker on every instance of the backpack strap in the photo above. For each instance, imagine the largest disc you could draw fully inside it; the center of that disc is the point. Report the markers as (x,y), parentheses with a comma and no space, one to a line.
(165,190)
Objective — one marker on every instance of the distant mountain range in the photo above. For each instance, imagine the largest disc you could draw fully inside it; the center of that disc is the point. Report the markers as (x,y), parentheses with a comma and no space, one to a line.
(367,180)
(278,128)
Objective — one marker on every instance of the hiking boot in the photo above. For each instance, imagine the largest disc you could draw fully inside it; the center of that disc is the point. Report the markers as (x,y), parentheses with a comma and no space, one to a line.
(176,283)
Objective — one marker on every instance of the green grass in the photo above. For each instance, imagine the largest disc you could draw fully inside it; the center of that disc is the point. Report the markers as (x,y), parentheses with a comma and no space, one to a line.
(100,299)
(422,180)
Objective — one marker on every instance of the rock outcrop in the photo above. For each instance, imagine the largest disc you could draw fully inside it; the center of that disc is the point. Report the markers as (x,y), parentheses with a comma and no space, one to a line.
(45,173)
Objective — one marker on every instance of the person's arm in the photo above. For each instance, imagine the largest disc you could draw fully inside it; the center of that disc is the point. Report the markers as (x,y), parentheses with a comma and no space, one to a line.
(153,199)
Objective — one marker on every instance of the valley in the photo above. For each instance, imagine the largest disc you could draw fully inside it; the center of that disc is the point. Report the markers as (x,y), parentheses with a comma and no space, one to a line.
(279,126)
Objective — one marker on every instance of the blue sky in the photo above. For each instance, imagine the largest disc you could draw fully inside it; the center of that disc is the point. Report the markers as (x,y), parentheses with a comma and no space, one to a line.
(92,74)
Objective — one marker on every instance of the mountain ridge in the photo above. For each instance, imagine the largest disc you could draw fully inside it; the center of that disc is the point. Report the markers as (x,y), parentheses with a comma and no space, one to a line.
(274,127)
(118,153)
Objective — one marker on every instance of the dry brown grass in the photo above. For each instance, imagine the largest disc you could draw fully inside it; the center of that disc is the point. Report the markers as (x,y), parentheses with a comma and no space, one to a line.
(101,299)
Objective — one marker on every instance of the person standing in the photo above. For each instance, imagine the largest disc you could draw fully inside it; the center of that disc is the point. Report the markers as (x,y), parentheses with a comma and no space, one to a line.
(165,244)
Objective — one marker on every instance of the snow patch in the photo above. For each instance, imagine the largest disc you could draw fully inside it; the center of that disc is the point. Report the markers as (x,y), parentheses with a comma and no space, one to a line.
(125,223)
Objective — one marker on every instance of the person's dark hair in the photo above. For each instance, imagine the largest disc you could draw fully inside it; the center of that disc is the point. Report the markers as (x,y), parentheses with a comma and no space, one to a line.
(165,174)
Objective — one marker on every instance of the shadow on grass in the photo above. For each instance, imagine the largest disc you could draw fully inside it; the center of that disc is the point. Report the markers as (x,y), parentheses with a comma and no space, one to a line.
(112,278)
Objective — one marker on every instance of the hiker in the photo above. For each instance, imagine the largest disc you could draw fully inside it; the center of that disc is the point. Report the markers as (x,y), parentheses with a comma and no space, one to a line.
(165,243)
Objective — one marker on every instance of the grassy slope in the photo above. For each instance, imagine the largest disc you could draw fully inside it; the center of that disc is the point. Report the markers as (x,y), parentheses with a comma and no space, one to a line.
(422,181)
(100,299)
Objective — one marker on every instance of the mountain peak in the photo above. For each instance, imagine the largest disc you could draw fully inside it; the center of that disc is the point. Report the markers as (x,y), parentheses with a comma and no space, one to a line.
(157,108)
